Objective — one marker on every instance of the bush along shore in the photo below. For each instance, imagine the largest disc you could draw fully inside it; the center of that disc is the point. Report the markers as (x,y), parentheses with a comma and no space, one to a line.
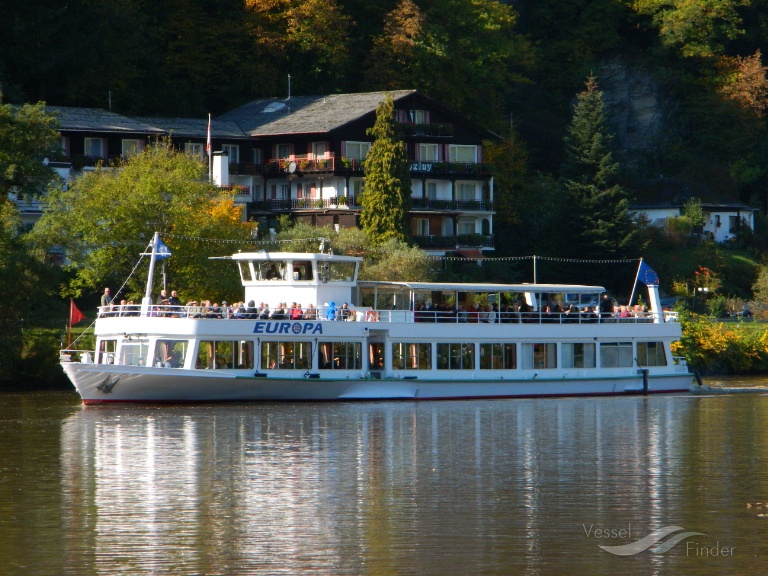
(716,347)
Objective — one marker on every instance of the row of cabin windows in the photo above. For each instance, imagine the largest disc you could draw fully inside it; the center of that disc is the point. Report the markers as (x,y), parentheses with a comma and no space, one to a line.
(276,355)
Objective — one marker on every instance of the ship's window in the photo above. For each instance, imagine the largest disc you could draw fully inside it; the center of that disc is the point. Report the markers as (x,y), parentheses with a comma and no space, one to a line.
(616,354)
(579,355)
(539,356)
(134,352)
(341,271)
(412,355)
(498,356)
(651,354)
(170,353)
(107,350)
(455,356)
(302,270)
(340,355)
(224,354)
(285,355)
(245,271)
(272,270)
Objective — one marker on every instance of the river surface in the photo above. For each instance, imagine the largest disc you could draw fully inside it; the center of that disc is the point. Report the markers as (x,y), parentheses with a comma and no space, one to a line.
(534,486)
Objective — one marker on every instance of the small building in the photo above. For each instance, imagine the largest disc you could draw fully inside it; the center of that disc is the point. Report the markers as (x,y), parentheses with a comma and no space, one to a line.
(666,198)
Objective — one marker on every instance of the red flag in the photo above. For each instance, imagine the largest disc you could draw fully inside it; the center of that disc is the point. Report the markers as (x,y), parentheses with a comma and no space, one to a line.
(75,315)
(208,141)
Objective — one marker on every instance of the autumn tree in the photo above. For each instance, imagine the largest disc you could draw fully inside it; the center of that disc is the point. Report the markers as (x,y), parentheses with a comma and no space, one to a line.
(386,196)
(106,219)
(599,207)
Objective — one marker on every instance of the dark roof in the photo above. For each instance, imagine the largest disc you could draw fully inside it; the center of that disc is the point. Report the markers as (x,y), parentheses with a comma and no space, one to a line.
(306,114)
(322,114)
(98,120)
(666,193)
(195,127)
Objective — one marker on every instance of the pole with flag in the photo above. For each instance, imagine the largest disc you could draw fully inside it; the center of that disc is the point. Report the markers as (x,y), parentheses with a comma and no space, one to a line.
(159,252)
(209,150)
(75,316)
(646,275)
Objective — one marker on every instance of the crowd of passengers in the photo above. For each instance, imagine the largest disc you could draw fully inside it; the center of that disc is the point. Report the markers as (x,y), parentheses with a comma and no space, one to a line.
(522,312)
(517,312)
(171,306)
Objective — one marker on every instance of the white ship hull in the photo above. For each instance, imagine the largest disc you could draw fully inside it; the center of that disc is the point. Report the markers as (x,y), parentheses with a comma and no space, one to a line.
(392,348)
(97,385)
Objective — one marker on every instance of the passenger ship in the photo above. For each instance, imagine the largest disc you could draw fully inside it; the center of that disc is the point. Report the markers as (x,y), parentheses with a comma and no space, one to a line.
(386,343)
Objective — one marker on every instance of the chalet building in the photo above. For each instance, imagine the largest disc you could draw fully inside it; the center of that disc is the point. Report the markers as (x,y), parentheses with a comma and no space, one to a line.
(666,198)
(304,155)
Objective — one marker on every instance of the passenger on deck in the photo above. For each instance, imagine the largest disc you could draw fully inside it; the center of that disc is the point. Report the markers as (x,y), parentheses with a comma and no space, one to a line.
(330,313)
(263,311)
(296,312)
(587,315)
(310,313)
(606,307)
(251,311)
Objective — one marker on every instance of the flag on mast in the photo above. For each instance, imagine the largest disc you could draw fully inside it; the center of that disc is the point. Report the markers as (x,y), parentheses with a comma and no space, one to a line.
(162,251)
(647,275)
(208,141)
(75,315)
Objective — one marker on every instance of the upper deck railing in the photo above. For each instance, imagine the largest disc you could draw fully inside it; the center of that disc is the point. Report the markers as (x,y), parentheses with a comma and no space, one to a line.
(365,314)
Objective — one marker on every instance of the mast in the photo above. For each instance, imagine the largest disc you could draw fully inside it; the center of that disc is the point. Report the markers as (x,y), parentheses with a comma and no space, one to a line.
(146,302)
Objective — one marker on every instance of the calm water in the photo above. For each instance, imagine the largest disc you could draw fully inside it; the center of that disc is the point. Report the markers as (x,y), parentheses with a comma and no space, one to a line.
(474,487)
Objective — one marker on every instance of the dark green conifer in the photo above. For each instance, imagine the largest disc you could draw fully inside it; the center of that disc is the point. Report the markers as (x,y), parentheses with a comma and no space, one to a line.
(386,196)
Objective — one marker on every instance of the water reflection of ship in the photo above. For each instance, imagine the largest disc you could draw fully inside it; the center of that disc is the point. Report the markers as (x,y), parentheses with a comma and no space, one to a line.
(262,481)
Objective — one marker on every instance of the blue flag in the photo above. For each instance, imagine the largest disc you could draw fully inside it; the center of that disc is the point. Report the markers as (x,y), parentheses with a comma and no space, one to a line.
(162,251)
(647,275)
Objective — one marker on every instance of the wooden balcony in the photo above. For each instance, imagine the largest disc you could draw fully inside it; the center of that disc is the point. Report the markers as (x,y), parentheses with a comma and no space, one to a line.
(433,204)
(442,130)
(298,204)
(455,242)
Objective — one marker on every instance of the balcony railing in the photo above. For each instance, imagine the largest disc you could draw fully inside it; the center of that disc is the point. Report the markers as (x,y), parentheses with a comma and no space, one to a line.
(463,205)
(290,204)
(300,164)
(237,189)
(412,129)
(29,205)
(245,169)
(460,240)
(308,165)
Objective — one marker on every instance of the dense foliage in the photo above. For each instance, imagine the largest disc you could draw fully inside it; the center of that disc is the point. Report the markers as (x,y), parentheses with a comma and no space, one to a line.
(106,219)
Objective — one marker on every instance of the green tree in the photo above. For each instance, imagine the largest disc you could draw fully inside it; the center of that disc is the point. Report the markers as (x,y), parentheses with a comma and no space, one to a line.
(602,226)
(27,136)
(509,158)
(386,196)
(395,260)
(700,28)
(107,218)
(26,288)
(449,48)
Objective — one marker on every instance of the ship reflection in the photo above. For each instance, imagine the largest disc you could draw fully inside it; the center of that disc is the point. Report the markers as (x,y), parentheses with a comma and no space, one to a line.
(331,488)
